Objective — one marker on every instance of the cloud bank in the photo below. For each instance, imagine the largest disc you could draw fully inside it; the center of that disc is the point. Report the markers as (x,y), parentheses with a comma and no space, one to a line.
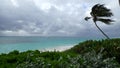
(54,18)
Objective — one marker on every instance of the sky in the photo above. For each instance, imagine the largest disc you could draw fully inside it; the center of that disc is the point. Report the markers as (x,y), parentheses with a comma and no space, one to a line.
(55,18)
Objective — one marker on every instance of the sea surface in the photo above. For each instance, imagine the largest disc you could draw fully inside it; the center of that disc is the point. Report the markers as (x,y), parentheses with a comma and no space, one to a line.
(24,43)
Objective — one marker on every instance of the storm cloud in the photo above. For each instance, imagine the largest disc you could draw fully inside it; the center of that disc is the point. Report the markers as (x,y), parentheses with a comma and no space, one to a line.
(54,18)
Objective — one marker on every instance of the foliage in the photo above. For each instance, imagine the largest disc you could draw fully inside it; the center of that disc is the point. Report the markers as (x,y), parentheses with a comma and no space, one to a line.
(111,48)
(100,13)
(88,54)
(88,60)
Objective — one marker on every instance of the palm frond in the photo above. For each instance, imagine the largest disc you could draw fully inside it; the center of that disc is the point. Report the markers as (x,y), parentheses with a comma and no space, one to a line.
(86,18)
(101,11)
(106,21)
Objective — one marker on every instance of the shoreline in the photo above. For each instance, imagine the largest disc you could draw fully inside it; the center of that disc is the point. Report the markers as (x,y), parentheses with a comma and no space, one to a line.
(50,49)
(57,48)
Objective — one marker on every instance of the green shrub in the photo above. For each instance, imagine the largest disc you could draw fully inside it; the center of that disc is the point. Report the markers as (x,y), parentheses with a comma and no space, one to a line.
(88,54)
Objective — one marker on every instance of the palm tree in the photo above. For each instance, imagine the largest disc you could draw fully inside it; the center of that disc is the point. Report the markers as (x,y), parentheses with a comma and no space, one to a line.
(98,13)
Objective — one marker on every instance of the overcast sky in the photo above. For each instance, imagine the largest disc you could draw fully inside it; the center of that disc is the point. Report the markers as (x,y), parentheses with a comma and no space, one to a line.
(55,18)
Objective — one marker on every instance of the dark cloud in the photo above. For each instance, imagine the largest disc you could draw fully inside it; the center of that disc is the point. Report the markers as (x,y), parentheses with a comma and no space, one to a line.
(53,18)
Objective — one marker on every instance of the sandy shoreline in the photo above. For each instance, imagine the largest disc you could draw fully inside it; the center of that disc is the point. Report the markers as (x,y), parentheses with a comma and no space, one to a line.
(59,48)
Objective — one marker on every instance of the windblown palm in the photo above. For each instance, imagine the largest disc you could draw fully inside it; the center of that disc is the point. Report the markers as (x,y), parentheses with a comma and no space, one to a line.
(97,14)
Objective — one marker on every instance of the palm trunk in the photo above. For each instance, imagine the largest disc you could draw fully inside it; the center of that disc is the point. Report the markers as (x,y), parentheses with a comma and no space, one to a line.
(101,31)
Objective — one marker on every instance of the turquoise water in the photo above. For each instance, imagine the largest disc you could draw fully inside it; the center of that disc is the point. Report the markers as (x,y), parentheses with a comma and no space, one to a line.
(8,44)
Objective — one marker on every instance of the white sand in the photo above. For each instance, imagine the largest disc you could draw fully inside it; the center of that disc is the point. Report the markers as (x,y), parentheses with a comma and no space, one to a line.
(59,48)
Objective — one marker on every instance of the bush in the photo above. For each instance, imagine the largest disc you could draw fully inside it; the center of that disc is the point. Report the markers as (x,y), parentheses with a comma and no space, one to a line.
(88,54)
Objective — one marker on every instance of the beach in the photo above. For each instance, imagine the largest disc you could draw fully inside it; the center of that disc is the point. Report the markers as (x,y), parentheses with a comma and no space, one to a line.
(58,48)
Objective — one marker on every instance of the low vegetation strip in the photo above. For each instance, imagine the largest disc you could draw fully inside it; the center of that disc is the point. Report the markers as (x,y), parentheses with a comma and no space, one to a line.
(88,54)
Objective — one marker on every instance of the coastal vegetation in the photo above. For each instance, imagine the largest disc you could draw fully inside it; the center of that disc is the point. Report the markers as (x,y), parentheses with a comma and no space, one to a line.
(88,54)
(104,53)
(101,13)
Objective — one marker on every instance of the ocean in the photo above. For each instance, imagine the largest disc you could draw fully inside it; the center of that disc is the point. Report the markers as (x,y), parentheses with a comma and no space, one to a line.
(24,43)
